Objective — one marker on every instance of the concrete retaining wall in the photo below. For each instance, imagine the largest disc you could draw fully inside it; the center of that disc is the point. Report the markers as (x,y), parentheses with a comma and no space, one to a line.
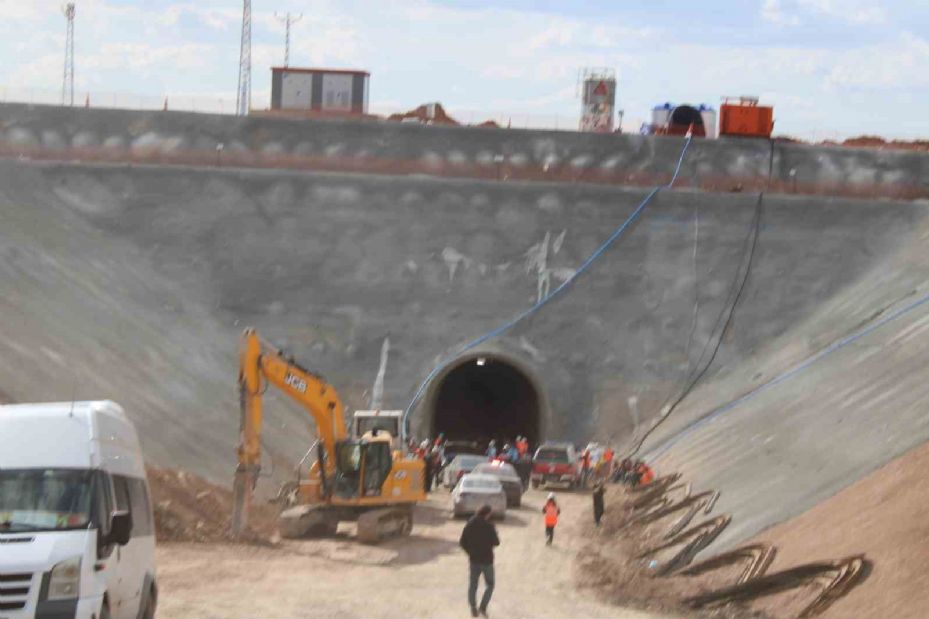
(400,148)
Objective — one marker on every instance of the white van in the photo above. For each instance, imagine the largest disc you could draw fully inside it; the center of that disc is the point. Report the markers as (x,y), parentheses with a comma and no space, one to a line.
(77,536)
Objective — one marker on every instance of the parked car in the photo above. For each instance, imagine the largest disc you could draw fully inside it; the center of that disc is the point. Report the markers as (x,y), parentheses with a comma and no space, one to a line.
(459,467)
(455,448)
(474,491)
(555,463)
(509,479)
(77,537)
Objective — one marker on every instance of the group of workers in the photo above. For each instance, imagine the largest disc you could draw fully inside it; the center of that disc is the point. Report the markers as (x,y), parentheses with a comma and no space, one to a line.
(633,473)
(510,452)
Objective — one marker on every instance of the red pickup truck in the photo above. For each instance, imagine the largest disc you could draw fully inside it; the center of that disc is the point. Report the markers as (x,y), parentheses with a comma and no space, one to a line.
(555,463)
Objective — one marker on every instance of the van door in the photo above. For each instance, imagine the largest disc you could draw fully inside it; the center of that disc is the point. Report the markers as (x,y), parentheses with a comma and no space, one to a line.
(124,603)
(106,564)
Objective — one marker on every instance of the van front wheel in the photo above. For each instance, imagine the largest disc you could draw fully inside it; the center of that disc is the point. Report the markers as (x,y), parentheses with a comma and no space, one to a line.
(149,612)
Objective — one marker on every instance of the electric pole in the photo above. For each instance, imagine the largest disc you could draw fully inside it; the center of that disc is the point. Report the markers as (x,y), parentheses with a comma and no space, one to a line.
(287,20)
(67,82)
(244,93)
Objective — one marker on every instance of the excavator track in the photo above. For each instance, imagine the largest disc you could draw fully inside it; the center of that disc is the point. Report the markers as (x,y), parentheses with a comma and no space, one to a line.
(380,524)
(305,521)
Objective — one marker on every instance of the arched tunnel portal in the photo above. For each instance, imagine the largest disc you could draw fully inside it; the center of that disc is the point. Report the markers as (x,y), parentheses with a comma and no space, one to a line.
(486,397)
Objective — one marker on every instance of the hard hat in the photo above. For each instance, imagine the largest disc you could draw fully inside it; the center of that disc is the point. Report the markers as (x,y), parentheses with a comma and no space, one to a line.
(551,496)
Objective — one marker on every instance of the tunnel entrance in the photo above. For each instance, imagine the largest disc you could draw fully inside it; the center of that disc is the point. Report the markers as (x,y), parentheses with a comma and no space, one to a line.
(485,398)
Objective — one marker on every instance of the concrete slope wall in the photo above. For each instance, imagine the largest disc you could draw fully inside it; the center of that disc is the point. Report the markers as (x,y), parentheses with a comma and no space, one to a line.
(816,407)
(372,146)
(84,315)
(134,282)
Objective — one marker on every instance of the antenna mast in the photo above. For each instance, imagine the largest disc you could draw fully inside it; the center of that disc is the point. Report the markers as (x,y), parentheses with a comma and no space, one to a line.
(67,82)
(244,94)
(288,21)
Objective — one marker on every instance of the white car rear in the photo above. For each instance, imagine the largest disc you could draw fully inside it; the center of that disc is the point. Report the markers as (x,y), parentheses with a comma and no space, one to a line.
(475,491)
(76,530)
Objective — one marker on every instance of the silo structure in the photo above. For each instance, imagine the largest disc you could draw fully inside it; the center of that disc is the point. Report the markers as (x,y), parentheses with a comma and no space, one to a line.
(598,95)
(708,112)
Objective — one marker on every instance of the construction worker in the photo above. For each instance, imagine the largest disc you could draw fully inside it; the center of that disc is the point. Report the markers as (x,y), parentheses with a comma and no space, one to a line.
(551,511)
(644,474)
(522,445)
(608,455)
(585,467)
(512,452)
(478,538)
(598,502)
(623,471)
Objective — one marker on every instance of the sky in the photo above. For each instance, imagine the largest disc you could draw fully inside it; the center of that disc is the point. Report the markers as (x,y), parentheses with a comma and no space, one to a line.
(829,67)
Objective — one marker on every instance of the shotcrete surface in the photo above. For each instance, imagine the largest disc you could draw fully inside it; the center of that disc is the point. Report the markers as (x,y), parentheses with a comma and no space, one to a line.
(133,282)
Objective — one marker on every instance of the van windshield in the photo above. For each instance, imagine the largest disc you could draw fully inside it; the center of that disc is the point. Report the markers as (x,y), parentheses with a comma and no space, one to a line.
(44,499)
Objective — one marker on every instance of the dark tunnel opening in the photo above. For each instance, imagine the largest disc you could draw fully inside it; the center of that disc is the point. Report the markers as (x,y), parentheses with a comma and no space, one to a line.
(486,398)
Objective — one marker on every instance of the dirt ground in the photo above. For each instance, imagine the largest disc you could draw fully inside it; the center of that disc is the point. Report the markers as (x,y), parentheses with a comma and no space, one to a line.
(886,517)
(424,576)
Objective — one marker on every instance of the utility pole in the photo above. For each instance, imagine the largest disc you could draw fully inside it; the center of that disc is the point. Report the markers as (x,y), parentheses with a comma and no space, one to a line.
(67,82)
(287,20)
(244,93)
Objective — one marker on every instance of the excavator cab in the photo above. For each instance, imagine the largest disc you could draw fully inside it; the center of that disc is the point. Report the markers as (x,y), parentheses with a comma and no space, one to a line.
(362,468)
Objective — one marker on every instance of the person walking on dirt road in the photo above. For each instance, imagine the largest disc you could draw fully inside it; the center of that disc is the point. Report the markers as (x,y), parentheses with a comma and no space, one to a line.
(478,539)
(598,502)
(551,511)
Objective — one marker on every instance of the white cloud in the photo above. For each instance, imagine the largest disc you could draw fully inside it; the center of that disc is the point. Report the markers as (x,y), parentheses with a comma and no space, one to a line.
(773,11)
(795,12)
(899,64)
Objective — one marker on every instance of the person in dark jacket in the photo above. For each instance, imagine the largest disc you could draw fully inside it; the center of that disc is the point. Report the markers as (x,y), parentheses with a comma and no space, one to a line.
(598,502)
(478,540)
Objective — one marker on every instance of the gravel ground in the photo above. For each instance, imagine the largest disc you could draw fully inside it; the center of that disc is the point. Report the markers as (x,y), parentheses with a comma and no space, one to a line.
(423,576)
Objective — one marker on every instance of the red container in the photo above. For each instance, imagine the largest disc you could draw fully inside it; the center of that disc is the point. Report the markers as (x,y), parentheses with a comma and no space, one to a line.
(746,119)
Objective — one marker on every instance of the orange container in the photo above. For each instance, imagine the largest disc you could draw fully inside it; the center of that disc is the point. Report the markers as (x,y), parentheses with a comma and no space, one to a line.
(746,120)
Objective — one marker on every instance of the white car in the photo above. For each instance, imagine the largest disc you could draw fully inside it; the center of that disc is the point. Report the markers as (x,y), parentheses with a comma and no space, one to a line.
(76,531)
(475,491)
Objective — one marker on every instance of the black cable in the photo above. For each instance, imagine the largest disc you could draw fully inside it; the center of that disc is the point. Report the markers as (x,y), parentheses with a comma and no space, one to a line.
(751,257)
(735,295)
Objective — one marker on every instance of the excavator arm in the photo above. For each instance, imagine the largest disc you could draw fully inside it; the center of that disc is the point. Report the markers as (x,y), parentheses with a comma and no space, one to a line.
(261,365)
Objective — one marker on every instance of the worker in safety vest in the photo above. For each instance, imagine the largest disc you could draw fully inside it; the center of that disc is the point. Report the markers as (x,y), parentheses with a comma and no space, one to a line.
(522,445)
(608,460)
(645,474)
(551,511)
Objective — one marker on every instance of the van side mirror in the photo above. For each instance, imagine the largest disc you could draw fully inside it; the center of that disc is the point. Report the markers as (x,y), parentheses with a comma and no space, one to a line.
(120,528)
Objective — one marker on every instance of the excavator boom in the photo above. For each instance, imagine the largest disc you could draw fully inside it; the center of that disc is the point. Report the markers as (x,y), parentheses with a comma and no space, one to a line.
(260,365)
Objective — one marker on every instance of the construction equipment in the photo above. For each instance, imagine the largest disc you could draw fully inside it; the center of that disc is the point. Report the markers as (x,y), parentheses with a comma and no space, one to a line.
(361,479)
(371,423)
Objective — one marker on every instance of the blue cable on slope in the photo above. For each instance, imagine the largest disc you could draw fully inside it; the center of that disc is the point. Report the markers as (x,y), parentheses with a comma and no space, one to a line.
(662,448)
(544,301)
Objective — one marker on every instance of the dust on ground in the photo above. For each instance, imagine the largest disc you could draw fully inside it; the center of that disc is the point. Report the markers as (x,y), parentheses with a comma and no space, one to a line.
(883,516)
(423,576)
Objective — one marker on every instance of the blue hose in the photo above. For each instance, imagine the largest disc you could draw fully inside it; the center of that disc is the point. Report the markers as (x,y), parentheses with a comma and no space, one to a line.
(544,301)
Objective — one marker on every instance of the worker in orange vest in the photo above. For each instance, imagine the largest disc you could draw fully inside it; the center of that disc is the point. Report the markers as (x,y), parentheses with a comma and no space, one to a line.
(645,474)
(551,511)
(522,445)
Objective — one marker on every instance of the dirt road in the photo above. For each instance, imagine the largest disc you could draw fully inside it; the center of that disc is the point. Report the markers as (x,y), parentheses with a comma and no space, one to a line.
(421,577)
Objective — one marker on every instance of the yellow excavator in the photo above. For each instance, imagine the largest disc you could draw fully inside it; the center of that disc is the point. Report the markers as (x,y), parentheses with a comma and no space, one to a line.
(361,479)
